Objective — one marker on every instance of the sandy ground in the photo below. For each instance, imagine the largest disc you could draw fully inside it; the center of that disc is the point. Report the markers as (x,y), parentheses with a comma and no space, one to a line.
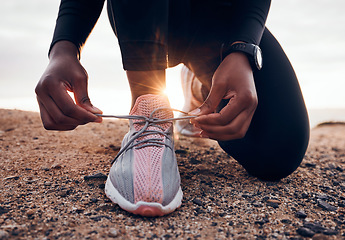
(46,191)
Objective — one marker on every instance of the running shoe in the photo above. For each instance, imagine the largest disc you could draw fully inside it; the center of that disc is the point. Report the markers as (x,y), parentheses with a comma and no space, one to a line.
(144,178)
(193,95)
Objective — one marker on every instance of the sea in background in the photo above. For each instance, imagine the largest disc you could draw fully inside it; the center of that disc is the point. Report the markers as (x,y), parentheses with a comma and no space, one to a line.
(312,34)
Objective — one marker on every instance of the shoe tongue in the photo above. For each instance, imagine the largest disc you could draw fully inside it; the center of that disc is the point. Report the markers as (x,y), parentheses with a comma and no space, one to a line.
(145,104)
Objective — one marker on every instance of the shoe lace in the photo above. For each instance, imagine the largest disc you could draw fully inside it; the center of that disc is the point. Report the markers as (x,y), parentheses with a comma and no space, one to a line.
(149,121)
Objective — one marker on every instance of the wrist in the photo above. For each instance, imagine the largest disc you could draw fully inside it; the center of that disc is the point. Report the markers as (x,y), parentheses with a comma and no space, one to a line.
(64,49)
(252,51)
(239,60)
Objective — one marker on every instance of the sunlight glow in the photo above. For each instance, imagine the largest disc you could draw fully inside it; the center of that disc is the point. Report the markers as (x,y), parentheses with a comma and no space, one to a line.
(174,89)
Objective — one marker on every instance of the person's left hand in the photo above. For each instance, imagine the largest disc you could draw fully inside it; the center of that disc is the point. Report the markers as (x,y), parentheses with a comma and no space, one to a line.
(232,80)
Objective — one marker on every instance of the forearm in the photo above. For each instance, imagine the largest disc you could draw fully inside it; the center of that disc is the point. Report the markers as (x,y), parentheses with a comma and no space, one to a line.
(250,20)
(63,48)
(75,21)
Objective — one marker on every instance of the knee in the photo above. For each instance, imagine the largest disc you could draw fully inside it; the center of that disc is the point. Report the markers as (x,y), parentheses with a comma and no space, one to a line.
(269,161)
(273,169)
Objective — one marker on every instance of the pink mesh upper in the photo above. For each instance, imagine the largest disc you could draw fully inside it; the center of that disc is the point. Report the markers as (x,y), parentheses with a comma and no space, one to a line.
(148,184)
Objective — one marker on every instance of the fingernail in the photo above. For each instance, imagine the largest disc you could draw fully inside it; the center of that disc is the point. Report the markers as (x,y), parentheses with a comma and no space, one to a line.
(97,110)
(99,120)
(195,112)
(195,124)
(203,135)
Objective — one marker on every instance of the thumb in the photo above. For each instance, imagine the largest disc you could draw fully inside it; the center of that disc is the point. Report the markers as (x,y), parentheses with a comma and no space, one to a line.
(82,99)
(210,104)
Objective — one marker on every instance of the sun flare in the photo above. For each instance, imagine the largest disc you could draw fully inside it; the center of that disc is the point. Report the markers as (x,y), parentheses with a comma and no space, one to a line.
(173,87)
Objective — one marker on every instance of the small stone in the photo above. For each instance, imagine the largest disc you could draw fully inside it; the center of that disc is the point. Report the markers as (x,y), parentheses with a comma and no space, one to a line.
(56,166)
(99,218)
(113,233)
(305,232)
(100,176)
(63,193)
(47,184)
(262,221)
(326,206)
(273,201)
(330,232)
(301,214)
(273,204)
(4,235)
(285,221)
(315,227)
(11,177)
(3,210)
(310,165)
(322,197)
(194,161)
(30,212)
(198,202)
(181,151)
(257,204)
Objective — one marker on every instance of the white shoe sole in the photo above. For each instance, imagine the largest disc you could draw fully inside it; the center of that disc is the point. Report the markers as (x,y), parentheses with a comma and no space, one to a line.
(147,209)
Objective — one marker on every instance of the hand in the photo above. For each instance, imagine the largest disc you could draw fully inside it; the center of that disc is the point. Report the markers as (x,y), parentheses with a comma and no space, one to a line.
(232,80)
(65,73)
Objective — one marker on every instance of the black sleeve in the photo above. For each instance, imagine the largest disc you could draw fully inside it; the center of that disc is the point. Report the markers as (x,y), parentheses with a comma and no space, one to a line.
(250,20)
(76,20)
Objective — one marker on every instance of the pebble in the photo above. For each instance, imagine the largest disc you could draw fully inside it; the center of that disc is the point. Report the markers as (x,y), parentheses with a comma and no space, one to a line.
(273,204)
(113,233)
(100,176)
(63,193)
(181,151)
(198,202)
(326,206)
(4,235)
(301,214)
(310,165)
(315,227)
(305,232)
(330,232)
(11,177)
(47,184)
(322,197)
(56,166)
(30,212)
(257,204)
(286,221)
(273,201)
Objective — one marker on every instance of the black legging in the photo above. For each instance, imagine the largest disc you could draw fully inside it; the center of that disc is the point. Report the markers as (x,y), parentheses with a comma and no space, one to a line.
(278,136)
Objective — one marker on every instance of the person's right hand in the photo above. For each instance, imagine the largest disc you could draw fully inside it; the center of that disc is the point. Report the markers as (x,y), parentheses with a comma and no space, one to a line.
(65,73)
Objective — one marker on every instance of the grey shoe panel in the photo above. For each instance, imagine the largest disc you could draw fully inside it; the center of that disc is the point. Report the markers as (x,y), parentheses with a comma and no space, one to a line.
(170,174)
(121,174)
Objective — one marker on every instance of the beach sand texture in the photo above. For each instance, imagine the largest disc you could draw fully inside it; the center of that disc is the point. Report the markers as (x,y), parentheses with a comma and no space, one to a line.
(52,187)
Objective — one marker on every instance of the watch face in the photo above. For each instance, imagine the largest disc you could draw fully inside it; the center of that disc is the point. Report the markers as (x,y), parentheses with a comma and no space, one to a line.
(258,58)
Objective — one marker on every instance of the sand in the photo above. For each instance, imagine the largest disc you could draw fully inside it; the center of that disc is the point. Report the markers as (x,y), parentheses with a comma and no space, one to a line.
(46,191)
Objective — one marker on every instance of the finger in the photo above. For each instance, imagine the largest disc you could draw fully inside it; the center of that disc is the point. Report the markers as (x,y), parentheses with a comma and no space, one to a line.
(226,115)
(82,98)
(50,124)
(212,101)
(234,130)
(69,108)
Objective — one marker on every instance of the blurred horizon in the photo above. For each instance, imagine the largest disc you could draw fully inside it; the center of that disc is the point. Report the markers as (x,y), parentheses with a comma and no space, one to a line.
(312,34)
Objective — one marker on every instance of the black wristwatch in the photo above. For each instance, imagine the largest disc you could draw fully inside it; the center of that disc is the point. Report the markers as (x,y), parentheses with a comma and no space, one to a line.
(252,51)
